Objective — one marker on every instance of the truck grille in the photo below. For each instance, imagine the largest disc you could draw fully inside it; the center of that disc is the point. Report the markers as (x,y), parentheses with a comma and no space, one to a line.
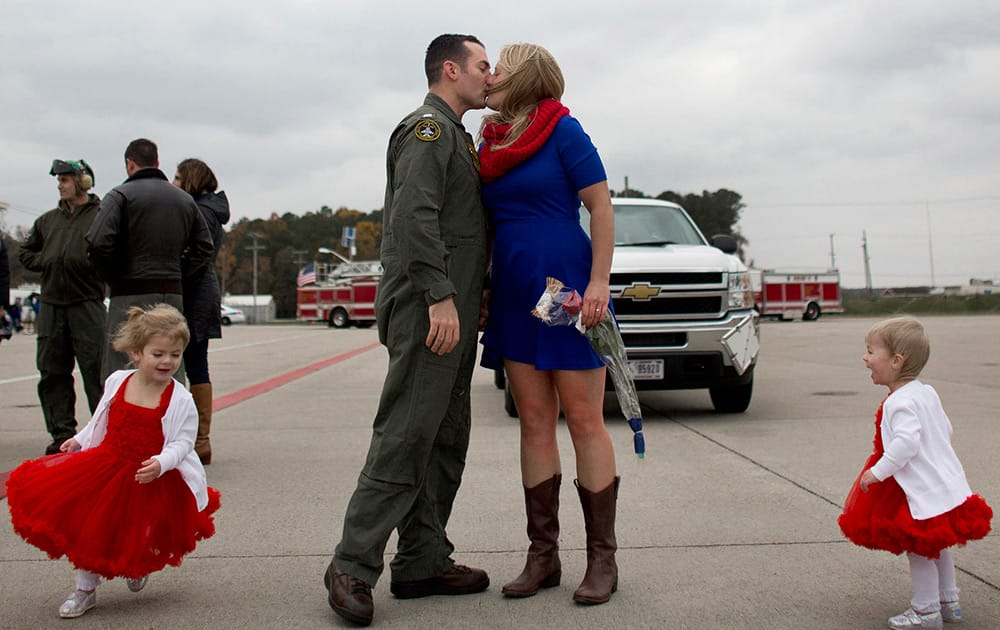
(669,278)
(655,340)
(664,304)
(678,295)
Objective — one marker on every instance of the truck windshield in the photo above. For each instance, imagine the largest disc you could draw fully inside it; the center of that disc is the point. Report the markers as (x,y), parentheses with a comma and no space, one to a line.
(639,225)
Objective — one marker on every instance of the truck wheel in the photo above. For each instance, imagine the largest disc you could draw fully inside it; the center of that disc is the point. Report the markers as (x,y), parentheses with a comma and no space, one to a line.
(732,399)
(338,318)
(226,321)
(508,401)
(499,378)
(812,312)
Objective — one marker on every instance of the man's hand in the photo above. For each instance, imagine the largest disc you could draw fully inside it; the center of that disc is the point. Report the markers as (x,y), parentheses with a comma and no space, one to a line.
(443,335)
(484,309)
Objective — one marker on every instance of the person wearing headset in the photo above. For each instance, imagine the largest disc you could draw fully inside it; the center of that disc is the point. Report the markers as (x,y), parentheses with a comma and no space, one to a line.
(70,323)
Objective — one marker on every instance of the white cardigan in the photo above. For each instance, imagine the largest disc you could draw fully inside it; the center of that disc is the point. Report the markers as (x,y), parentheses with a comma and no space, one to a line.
(180,427)
(916,434)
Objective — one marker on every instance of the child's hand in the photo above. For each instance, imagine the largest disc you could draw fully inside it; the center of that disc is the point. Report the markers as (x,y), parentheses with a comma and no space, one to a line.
(150,471)
(868,479)
(69,446)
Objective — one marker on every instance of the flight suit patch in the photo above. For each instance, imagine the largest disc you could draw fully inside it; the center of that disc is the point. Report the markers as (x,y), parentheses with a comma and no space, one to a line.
(427,130)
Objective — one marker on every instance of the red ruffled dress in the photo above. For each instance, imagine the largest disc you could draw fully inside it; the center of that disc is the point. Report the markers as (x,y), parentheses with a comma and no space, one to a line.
(881,519)
(89,507)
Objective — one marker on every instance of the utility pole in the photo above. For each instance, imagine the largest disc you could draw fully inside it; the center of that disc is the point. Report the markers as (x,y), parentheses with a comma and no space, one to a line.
(868,262)
(833,256)
(930,247)
(625,193)
(255,248)
(299,257)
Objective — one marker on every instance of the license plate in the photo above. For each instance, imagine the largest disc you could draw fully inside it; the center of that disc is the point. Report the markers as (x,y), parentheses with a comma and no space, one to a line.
(646,369)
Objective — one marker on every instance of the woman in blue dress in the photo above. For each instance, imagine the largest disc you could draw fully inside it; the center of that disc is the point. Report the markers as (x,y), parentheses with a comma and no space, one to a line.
(537,165)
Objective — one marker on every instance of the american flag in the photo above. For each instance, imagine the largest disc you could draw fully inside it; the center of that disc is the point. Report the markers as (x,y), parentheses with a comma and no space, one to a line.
(307,275)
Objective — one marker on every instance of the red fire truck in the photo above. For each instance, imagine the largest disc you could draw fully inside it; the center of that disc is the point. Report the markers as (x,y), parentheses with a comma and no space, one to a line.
(793,294)
(342,295)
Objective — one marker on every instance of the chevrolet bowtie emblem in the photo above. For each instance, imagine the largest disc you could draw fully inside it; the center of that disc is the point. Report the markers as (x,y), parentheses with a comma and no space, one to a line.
(641,291)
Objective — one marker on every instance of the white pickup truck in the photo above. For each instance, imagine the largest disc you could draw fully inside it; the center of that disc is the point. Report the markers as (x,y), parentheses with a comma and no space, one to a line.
(685,307)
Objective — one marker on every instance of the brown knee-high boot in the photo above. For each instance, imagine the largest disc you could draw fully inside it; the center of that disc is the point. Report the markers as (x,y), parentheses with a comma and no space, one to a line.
(203,402)
(542,569)
(601,578)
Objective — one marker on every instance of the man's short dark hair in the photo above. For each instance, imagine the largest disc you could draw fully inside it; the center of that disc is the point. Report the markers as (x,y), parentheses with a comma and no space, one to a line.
(143,152)
(446,48)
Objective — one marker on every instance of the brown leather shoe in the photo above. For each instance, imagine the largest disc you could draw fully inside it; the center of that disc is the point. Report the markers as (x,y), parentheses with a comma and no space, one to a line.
(458,580)
(349,597)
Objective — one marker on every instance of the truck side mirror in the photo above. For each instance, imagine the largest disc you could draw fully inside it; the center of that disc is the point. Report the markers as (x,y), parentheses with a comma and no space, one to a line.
(725,242)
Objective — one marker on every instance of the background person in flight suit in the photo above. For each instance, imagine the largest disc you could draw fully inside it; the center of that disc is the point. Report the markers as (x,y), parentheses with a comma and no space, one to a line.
(434,258)
(70,322)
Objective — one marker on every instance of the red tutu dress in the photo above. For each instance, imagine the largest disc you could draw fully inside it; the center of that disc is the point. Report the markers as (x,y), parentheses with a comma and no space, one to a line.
(88,506)
(881,519)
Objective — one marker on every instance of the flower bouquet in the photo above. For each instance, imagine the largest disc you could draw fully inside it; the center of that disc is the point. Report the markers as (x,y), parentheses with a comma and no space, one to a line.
(560,305)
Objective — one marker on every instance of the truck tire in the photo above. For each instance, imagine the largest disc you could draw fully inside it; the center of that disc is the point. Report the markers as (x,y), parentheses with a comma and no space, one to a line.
(812,312)
(508,401)
(732,398)
(339,319)
(226,321)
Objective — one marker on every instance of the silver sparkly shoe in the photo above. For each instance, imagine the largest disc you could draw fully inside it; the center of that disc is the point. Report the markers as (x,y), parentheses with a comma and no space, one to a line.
(77,604)
(912,619)
(137,584)
(951,612)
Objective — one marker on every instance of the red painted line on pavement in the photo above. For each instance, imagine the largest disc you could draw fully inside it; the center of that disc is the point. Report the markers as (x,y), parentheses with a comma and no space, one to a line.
(263,387)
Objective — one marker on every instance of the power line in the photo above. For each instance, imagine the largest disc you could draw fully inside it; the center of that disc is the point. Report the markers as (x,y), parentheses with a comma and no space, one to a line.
(831,204)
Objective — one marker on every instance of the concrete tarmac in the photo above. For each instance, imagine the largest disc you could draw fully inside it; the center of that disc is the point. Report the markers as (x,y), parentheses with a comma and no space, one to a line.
(729,522)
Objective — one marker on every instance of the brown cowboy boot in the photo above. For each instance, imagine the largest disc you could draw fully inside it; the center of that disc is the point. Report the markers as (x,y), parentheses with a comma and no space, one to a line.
(203,402)
(542,569)
(601,578)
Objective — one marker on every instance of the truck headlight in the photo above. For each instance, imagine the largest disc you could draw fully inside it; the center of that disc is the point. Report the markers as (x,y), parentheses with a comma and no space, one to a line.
(740,292)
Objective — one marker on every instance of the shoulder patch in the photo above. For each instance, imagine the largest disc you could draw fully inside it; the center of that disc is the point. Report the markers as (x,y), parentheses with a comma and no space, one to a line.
(427,130)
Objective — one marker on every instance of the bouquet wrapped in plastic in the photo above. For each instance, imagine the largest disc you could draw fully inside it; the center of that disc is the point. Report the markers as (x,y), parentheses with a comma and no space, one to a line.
(560,305)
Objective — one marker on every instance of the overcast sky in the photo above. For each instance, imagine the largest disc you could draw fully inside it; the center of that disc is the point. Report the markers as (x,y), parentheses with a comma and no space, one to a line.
(830,118)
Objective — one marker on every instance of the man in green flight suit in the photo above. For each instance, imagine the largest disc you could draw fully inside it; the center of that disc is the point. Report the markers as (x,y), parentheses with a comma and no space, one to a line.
(70,322)
(434,255)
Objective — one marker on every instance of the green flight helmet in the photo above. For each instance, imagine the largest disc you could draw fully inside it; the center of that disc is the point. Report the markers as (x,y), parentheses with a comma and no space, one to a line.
(72,167)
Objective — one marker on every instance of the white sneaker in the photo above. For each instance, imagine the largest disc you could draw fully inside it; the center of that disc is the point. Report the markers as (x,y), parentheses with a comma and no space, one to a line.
(912,619)
(951,612)
(77,604)
(136,584)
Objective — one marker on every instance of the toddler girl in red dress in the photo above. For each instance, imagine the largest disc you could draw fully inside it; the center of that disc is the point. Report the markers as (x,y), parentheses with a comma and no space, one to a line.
(912,495)
(127,495)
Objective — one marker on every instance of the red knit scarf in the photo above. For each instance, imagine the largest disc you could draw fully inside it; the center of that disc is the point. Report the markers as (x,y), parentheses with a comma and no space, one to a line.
(496,162)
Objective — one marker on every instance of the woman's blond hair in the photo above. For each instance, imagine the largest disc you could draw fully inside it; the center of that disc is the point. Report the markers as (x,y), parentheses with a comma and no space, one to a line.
(142,324)
(532,76)
(904,336)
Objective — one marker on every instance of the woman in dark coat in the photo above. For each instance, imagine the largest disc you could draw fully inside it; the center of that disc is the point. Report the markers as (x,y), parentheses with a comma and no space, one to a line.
(202,298)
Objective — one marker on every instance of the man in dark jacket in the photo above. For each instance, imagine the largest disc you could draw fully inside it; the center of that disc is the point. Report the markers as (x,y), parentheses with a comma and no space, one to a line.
(146,238)
(71,320)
